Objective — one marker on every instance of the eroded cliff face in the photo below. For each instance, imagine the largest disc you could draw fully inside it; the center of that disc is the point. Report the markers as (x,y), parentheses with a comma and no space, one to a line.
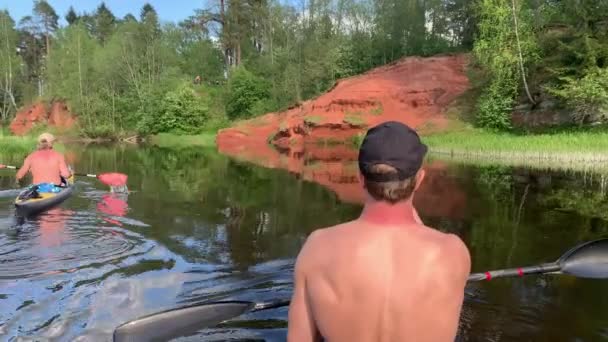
(55,115)
(415,91)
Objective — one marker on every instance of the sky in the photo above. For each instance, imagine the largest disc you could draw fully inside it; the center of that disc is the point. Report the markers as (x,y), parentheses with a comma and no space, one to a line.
(168,10)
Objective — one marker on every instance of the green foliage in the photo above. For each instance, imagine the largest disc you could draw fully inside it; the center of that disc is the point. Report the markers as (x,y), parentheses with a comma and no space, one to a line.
(10,71)
(181,111)
(575,45)
(496,51)
(104,22)
(246,93)
(495,104)
(48,18)
(378,110)
(586,96)
(354,120)
(103,132)
(126,74)
(71,17)
(570,142)
(312,120)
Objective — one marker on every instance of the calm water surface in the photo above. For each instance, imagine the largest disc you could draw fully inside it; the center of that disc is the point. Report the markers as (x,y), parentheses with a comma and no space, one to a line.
(200,226)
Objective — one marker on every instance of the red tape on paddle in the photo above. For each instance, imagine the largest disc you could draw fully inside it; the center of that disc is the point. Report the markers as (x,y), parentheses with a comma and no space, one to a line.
(113,179)
(520,272)
(488,276)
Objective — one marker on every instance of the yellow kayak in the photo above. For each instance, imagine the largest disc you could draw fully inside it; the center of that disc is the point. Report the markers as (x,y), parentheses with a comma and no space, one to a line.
(44,200)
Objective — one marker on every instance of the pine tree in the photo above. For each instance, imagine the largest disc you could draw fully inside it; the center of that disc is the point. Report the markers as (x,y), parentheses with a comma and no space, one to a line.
(71,17)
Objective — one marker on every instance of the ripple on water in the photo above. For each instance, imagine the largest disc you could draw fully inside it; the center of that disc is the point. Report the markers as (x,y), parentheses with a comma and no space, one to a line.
(61,241)
(44,261)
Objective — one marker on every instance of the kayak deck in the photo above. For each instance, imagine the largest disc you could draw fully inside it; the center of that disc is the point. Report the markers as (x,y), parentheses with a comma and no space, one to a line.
(45,200)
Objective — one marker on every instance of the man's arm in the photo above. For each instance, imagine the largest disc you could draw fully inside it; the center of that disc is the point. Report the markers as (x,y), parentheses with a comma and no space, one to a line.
(24,169)
(301,324)
(448,289)
(64,171)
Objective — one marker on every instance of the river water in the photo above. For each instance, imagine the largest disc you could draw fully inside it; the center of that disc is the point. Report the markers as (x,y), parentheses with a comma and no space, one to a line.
(200,226)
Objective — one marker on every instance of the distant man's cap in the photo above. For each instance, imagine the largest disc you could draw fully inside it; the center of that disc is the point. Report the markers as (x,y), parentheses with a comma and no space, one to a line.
(46,138)
(395,144)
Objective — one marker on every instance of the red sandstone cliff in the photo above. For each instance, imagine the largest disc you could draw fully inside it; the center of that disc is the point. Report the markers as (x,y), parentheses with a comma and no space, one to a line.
(56,115)
(414,90)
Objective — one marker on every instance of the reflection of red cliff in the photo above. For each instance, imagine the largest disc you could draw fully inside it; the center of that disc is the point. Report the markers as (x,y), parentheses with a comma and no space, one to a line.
(414,90)
(336,168)
(57,116)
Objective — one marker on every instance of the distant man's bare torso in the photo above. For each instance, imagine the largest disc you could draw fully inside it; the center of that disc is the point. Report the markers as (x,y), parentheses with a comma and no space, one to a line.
(362,281)
(46,166)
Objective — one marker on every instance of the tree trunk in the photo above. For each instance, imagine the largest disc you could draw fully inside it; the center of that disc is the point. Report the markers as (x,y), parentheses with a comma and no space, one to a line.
(521,57)
(224,38)
(79,70)
(9,81)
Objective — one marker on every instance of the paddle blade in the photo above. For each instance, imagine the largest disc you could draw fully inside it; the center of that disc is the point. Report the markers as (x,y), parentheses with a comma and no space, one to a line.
(588,260)
(170,324)
(113,179)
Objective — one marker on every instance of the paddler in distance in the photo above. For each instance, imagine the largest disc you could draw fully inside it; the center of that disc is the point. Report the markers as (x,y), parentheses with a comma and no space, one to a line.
(384,276)
(46,165)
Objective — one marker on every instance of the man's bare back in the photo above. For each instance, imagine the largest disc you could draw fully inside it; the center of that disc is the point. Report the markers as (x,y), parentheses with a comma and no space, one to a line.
(382,277)
(371,282)
(46,165)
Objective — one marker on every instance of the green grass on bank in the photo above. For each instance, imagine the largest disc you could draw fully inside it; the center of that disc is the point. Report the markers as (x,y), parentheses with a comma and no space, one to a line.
(479,141)
(206,139)
(565,147)
(14,144)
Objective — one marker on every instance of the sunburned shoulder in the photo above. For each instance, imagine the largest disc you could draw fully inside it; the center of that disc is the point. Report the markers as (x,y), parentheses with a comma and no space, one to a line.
(319,239)
(451,253)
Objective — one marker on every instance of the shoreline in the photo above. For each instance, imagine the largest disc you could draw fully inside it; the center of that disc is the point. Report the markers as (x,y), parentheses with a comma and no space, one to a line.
(578,150)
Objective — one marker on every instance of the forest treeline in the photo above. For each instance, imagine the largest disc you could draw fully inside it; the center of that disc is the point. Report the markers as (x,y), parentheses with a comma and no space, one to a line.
(240,58)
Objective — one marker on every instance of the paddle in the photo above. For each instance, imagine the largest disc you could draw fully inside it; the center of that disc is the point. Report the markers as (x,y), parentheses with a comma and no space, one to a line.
(587,260)
(111,179)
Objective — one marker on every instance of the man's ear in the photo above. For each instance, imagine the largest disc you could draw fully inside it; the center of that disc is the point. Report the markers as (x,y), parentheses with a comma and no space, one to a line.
(361,179)
(419,177)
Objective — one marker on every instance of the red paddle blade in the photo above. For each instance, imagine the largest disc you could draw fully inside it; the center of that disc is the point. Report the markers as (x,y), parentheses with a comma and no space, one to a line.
(113,179)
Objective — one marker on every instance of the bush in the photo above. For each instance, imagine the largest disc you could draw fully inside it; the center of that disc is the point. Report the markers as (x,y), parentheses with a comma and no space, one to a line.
(181,111)
(587,96)
(245,94)
(495,104)
(99,132)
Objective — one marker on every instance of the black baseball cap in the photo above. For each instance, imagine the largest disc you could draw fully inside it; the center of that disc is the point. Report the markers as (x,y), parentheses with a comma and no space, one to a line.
(395,144)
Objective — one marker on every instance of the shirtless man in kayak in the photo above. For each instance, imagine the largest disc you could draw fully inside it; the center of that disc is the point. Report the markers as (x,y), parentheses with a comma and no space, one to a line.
(45,164)
(384,276)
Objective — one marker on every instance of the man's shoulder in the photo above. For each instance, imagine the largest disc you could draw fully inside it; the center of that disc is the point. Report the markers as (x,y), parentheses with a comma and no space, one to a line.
(57,154)
(317,240)
(451,253)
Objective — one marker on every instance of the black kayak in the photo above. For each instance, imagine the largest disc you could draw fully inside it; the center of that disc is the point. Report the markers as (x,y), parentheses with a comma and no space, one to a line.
(43,201)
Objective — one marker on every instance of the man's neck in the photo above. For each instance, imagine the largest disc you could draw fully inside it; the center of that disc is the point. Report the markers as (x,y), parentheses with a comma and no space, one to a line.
(380,212)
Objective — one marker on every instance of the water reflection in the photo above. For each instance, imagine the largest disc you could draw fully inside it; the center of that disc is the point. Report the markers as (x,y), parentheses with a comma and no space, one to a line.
(201,226)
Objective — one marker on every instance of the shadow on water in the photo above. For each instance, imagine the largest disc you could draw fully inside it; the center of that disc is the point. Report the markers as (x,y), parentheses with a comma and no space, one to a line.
(200,226)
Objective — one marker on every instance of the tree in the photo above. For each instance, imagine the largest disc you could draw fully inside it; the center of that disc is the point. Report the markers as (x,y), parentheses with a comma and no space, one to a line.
(9,65)
(129,17)
(520,54)
(104,23)
(498,49)
(47,19)
(31,47)
(245,92)
(71,17)
(71,71)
